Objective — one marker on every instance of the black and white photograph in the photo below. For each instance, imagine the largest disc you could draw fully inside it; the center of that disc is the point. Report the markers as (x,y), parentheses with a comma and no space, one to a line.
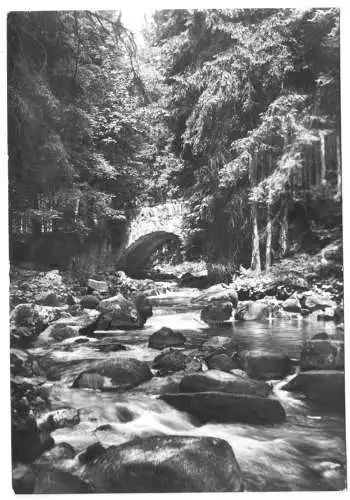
(175,225)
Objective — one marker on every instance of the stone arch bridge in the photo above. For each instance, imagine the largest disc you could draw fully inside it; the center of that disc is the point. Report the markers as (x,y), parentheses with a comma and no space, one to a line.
(151,230)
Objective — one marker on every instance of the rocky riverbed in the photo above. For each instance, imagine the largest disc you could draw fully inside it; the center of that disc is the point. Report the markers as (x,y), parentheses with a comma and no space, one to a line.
(108,384)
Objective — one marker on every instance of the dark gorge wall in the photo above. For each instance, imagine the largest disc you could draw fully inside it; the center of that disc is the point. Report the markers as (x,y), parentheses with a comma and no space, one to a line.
(100,249)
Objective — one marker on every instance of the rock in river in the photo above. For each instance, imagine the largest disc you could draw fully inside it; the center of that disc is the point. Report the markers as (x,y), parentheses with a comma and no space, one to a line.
(222,362)
(170,361)
(57,482)
(322,354)
(166,337)
(325,386)
(119,313)
(165,464)
(216,313)
(215,380)
(84,324)
(264,365)
(226,407)
(252,311)
(58,419)
(117,374)
(220,344)
(23,479)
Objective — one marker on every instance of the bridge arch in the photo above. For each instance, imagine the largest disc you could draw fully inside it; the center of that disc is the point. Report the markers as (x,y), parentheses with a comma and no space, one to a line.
(139,253)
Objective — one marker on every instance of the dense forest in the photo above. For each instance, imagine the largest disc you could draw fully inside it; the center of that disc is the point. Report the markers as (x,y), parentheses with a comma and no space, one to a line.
(236,111)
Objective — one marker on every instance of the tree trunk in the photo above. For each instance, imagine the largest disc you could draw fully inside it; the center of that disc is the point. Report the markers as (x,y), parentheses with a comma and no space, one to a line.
(268,237)
(269,221)
(255,262)
(284,229)
(339,176)
(323,156)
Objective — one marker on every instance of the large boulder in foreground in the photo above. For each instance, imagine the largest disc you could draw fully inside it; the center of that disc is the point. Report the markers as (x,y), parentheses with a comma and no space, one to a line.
(216,313)
(166,464)
(226,407)
(265,366)
(23,479)
(322,354)
(58,482)
(215,380)
(252,311)
(119,313)
(26,443)
(114,374)
(325,386)
(166,337)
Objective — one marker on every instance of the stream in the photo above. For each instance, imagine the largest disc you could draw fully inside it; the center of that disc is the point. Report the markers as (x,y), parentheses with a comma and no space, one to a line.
(306,453)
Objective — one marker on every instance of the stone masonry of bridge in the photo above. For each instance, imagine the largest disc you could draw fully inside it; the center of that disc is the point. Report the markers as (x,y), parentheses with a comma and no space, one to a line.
(165,217)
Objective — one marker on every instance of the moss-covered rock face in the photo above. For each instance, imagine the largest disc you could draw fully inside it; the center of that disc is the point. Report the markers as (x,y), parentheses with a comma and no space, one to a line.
(165,464)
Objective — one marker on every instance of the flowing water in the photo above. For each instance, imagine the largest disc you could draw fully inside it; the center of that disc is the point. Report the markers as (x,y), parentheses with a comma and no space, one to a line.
(306,453)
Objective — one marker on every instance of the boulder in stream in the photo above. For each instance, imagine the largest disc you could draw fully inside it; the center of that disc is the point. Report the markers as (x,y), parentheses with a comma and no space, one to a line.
(292,304)
(166,337)
(222,362)
(144,307)
(84,324)
(322,355)
(265,366)
(217,293)
(314,302)
(24,364)
(119,313)
(23,479)
(57,419)
(252,311)
(97,286)
(220,344)
(61,451)
(47,299)
(228,407)
(26,443)
(89,302)
(324,386)
(114,374)
(216,313)
(215,380)
(169,361)
(165,464)
(57,482)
